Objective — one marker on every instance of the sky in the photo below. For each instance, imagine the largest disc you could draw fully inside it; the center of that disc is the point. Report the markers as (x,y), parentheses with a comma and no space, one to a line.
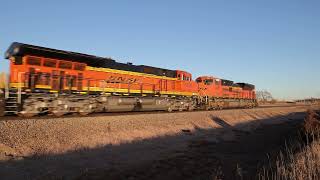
(274,44)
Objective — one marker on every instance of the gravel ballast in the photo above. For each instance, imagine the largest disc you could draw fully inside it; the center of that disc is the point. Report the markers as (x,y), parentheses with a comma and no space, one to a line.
(65,147)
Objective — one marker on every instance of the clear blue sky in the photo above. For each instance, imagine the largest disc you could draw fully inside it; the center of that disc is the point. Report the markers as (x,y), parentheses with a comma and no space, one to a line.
(274,44)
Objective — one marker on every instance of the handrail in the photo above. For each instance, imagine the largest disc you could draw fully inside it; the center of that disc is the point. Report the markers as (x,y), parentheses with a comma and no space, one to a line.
(29,80)
(6,86)
(19,87)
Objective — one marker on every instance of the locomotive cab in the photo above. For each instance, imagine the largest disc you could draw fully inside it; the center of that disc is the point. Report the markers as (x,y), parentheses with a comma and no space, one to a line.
(184,76)
(209,86)
(185,82)
(38,73)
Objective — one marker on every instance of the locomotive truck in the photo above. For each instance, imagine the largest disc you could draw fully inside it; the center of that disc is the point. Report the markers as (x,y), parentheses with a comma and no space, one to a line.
(50,81)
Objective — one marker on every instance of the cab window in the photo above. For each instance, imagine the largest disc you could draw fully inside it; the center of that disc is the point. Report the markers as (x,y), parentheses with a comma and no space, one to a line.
(208,81)
(16,60)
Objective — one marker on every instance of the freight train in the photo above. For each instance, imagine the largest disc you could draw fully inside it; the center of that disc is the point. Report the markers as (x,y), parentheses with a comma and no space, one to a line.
(50,81)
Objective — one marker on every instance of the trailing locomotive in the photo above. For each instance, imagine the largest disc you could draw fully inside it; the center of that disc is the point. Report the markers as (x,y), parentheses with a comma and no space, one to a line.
(44,80)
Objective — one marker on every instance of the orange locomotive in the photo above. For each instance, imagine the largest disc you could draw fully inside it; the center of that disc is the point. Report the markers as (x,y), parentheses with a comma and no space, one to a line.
(44,80)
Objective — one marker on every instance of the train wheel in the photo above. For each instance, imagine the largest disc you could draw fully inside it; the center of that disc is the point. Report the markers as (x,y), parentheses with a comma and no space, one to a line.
(29,110)
(84,113)
(59,110)
(58,114)
(85,110)
(27,115)
(169,109)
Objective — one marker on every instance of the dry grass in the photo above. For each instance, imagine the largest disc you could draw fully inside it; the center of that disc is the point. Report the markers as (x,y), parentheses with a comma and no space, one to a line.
(304,165)
(312,123)
(2,80)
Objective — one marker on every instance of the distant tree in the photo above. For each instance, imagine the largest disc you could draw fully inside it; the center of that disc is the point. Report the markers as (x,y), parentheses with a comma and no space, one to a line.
(265,96)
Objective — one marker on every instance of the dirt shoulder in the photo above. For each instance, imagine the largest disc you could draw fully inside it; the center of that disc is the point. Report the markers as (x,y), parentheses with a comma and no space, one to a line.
(240,158)
(87,147)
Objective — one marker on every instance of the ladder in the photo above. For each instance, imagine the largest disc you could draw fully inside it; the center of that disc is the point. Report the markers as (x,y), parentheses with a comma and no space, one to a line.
(13,97)
(12,102)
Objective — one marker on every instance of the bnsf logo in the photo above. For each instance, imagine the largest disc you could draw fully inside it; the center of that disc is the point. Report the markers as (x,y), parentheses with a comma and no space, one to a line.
(120,79)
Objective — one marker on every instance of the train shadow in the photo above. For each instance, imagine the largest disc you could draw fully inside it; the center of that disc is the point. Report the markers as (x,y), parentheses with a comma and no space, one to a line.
(191,154)
(220,121)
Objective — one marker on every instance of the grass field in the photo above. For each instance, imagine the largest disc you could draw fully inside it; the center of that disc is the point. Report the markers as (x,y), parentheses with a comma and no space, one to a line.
(302,161)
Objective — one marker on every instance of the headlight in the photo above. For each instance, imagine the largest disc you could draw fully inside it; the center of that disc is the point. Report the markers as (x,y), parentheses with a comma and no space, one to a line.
(16,50)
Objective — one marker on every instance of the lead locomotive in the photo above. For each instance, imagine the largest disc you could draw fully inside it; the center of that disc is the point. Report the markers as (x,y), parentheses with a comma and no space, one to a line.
(50,81)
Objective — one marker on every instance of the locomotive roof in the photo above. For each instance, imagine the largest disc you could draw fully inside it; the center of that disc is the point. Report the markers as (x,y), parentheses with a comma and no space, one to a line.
(20,49)
(247,86)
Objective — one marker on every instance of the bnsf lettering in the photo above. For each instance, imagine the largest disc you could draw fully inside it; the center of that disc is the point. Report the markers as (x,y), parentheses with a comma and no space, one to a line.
(120,79)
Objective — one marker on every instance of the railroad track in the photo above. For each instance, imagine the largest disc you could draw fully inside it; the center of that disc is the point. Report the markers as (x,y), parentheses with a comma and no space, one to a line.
(14,117)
